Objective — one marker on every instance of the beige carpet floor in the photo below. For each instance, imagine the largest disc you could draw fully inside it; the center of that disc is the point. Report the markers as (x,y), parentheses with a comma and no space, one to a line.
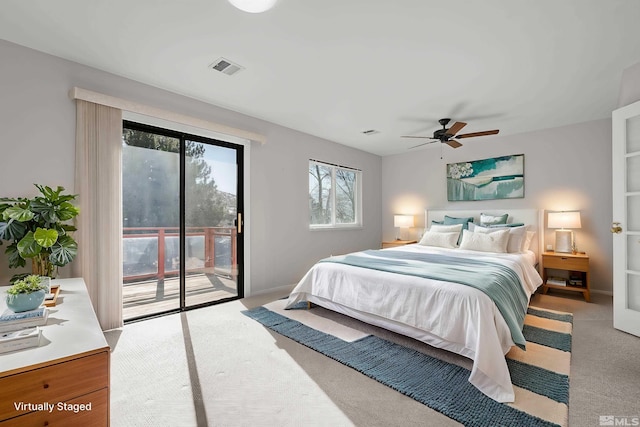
(217,367)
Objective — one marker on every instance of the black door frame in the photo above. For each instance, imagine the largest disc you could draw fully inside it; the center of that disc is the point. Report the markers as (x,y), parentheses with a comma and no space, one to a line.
(239,150)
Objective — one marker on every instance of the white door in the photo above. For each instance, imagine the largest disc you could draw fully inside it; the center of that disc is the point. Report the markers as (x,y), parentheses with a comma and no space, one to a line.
(626,217)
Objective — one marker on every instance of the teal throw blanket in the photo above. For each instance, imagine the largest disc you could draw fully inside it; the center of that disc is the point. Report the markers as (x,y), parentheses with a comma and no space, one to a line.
(500,283)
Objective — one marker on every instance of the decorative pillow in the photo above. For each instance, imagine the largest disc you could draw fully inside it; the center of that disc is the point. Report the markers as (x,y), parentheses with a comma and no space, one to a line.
(513,224)
(493,219)
(446,228)
(448,220)
(516,234)
(442,240)
(485,242)
(526,244)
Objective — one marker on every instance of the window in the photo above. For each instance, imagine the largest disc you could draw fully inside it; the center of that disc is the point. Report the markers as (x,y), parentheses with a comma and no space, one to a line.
(334,196)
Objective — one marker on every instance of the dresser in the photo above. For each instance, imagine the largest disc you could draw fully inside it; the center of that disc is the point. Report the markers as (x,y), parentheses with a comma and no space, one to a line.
(65,380)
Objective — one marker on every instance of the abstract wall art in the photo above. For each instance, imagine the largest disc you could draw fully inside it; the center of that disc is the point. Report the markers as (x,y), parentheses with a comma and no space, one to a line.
(486,179)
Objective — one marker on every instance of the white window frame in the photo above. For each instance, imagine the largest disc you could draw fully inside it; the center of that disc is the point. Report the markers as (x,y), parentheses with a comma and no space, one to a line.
(358,198)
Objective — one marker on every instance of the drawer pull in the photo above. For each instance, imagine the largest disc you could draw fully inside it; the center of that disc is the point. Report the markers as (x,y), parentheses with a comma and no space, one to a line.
(46,423)
(46,385)
(563,258)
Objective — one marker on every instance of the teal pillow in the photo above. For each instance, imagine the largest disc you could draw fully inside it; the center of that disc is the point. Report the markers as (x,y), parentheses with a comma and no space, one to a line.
(448,220)
(513,224)
(486,220)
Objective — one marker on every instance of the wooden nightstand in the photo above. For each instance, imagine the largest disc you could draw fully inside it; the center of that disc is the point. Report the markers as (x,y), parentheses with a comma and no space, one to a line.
(394,243)
(575,264)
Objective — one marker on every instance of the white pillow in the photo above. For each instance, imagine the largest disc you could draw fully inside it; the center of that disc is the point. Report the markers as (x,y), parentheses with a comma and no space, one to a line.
(526,243)
(485,242)
(517,236)
(493,219)
(442,240)
(445,228)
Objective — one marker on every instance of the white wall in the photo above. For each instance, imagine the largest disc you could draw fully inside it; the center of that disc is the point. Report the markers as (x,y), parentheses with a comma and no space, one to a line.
(630,86)
(37,137)
(566,168)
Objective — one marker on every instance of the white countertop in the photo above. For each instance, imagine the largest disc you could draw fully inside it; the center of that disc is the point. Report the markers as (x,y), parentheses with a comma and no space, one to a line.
(72,328)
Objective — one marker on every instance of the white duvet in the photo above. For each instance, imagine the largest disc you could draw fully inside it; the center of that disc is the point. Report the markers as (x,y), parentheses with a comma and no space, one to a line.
(447,315)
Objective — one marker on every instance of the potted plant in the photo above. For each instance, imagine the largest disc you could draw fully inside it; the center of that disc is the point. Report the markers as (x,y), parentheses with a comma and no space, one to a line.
(38,229)
(26,294)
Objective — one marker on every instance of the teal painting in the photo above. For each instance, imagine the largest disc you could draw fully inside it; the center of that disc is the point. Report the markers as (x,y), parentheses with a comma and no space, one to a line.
(486,179)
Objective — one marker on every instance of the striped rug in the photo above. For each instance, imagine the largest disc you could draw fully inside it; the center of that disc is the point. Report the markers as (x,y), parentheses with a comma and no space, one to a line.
(540,375)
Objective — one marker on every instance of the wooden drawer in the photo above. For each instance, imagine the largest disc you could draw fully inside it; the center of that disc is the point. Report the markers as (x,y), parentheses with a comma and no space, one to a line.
(55,383)
(565,263)
(97,416)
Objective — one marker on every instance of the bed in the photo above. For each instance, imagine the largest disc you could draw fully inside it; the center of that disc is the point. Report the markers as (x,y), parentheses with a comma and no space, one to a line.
(410,290)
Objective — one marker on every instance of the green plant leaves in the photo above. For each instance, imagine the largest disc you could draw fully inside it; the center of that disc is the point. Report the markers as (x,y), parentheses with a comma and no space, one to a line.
(12,230)
(36,227)
(45,237)
(28,247)
(63,251)
(18,213)
(15,260)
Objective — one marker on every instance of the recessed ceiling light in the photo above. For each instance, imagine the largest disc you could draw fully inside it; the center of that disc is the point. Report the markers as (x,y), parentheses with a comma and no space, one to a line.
(253,6)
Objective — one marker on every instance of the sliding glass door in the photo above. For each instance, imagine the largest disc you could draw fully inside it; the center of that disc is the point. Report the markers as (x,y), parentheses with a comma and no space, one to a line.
(182,221)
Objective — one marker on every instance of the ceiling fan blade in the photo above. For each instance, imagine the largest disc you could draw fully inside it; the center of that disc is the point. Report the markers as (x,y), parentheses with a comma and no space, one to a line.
(415,136)
(471,135)
(455,128)
(453,143)
(420,145)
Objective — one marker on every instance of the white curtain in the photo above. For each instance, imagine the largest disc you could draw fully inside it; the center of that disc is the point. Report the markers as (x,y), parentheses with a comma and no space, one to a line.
(98,184)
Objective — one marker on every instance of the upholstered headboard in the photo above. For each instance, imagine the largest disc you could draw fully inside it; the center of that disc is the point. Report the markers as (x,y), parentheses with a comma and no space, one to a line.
(531,217)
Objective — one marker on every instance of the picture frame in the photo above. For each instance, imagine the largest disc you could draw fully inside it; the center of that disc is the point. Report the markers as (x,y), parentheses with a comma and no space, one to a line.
(486,179)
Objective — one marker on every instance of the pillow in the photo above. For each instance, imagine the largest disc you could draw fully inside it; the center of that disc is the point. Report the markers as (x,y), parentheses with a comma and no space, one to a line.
(446,228)
(442,240)
(485,242)
(526,244)
(516,235)
(513,224)
(493,219)
(449,220)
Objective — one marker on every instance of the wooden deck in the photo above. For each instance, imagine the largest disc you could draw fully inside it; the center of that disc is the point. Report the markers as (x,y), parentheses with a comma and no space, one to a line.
(153,296)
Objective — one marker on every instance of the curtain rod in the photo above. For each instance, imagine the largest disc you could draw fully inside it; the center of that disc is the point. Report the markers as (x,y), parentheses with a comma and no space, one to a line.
(134,107)
(333,164)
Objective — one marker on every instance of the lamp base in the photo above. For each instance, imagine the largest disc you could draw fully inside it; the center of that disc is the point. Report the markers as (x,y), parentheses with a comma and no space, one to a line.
(564,240)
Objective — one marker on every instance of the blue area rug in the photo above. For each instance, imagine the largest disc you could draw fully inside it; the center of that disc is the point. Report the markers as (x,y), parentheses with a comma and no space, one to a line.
(440,385)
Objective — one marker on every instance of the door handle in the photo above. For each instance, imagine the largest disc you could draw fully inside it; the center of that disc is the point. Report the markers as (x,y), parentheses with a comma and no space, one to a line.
(615,228)
(239,223)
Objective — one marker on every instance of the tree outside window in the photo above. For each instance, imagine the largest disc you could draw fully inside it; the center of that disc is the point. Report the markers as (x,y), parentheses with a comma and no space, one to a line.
(334,193)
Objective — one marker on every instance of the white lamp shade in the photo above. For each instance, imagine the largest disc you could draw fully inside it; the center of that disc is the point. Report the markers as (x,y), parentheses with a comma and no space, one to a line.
(403,221)
(564,220)
(253,6)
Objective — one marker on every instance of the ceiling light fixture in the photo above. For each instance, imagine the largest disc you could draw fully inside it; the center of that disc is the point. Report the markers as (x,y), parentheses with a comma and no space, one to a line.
(253,6)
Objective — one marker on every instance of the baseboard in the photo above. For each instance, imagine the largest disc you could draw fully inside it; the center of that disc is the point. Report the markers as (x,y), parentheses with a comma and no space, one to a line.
(597,291)
(286,289)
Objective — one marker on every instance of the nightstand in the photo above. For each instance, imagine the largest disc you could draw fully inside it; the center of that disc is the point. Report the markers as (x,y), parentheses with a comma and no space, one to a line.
(394,243)
(578,267)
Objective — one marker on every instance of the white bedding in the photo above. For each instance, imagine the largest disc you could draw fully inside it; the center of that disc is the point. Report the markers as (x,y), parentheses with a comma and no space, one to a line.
(447,315)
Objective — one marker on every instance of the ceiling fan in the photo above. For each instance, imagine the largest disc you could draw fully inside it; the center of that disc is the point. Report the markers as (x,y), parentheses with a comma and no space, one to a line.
(446,136)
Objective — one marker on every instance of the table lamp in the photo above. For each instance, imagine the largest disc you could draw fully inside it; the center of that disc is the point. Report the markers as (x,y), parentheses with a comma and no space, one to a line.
(402,221)
(563,221)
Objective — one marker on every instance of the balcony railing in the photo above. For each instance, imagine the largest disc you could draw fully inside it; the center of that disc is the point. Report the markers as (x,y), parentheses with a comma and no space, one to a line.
(154,252)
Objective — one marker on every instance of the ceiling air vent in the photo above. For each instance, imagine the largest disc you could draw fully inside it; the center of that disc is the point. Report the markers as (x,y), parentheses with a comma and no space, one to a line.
(226,67)
(370,132)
